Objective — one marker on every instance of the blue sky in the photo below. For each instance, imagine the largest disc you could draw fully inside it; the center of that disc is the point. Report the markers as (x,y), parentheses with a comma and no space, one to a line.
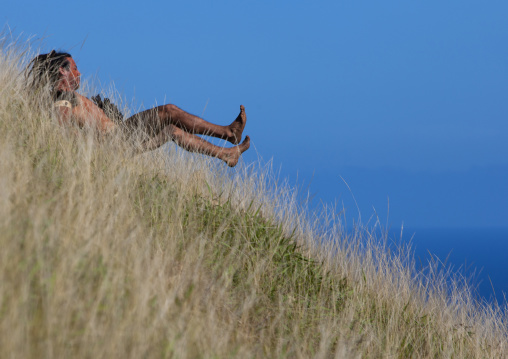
(404,100)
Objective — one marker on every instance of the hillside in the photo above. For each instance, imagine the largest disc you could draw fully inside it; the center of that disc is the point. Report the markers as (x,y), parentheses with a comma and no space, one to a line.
(106,253)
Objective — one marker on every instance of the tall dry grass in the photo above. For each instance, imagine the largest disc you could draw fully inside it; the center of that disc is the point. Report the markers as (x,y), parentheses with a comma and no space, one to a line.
(105,254)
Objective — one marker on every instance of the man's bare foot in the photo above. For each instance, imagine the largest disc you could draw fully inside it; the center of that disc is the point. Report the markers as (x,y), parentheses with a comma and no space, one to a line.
(237,127)
(232,154)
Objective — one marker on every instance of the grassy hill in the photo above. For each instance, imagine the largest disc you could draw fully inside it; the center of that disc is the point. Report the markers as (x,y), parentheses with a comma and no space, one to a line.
(105,254)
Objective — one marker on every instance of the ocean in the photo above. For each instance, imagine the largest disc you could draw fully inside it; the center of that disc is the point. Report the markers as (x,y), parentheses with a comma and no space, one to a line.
(478,252)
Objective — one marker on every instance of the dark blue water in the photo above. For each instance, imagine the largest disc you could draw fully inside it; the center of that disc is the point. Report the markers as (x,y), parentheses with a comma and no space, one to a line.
(479,251)
(476,197)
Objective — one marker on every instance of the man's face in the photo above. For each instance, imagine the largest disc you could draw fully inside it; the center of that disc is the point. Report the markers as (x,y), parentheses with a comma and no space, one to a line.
(70,76)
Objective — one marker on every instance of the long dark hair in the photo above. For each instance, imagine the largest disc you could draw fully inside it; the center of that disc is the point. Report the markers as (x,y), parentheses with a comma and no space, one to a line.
(43,72)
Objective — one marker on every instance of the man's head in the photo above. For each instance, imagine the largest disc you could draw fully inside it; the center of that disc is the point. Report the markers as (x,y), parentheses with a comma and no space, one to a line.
(56,69)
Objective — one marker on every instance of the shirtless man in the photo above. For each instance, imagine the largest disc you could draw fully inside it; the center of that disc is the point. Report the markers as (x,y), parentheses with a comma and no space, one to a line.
(161,124)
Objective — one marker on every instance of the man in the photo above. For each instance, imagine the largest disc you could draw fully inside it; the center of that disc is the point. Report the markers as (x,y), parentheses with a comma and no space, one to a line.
(59,71)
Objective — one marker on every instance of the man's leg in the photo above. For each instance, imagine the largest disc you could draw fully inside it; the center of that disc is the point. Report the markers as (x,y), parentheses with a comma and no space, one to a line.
(158,118)
(194,143)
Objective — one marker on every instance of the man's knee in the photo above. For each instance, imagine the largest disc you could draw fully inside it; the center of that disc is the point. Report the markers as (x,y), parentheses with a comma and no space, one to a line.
(171,131)
(170,109)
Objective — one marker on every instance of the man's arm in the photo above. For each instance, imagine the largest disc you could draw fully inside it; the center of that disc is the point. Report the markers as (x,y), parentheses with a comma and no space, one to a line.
(85,113)
(63,111)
